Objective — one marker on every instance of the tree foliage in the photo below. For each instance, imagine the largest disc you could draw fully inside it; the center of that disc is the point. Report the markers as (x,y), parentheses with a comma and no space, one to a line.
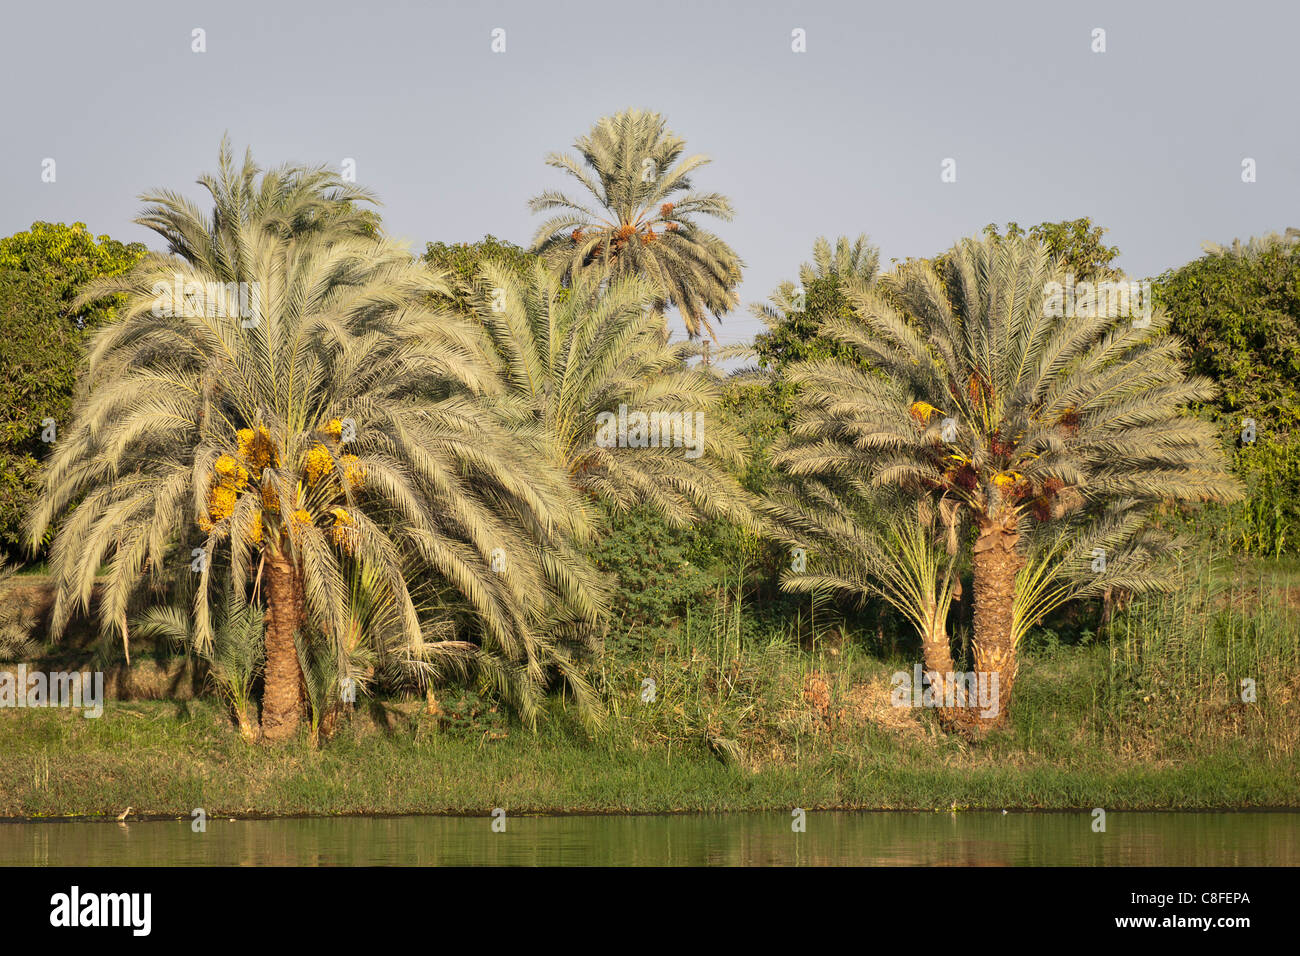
(1077,243)
(582,359)
(1238,309)
(796,312)
(461,262)
(42,333)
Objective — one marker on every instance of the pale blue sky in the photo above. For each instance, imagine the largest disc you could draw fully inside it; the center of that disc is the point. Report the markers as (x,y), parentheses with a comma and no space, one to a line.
(1147,138)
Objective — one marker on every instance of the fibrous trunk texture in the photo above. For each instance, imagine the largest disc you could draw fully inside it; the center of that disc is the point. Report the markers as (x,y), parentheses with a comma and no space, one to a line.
(936,656)
(282,693)
(996,565)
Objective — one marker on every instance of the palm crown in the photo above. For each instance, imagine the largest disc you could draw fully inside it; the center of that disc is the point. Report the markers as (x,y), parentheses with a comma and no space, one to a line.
(643,220)
(572,357)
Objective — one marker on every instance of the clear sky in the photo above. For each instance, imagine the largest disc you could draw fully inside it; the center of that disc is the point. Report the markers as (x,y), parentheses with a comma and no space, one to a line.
(1146,138)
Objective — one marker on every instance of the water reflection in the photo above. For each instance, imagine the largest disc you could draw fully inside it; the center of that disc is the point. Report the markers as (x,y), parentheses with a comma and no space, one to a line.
(858,839)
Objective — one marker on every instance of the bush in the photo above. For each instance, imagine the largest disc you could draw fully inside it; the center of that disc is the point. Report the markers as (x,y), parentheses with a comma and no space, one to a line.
(1267,523)
(1238,310)
(660,568)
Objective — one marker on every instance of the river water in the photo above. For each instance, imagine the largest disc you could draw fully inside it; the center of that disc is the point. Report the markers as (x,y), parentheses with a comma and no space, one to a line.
(739,839)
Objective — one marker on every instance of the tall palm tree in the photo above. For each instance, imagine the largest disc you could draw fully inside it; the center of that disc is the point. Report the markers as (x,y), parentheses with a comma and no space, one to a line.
(337,423)
(642,221)
(574,357)
(965,390)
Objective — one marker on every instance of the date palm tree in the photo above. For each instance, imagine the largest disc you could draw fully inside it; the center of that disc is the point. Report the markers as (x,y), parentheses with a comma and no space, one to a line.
(324,421)
(578,359)
(640,218)
(233,655)
(1046,428)
(289,200)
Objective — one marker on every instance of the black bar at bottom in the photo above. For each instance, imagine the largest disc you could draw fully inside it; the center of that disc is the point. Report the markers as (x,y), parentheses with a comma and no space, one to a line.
(344,906)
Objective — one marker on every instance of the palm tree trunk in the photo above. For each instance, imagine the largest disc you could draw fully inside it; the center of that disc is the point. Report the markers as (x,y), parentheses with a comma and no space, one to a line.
(936,657)
(246,729)
(996,565)
(329,720)
(281,695)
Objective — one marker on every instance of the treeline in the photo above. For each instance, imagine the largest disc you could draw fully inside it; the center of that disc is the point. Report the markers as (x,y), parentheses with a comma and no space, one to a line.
(380,472)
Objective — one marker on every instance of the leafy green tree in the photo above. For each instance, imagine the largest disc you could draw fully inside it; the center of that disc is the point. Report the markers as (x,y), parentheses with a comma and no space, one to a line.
(335,423)
(1238,308)
(461,262)
(1076,242)
(758,406)
(1048,433)
(42,271)
(643,219)
(652,558)
(796,312)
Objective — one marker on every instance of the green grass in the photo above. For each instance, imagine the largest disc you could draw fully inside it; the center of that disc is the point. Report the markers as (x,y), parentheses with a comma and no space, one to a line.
(167,757)
(749,715)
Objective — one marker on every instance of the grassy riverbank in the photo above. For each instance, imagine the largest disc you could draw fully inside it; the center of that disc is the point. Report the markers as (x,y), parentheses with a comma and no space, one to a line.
(747,714)
(168,757)
(157,761)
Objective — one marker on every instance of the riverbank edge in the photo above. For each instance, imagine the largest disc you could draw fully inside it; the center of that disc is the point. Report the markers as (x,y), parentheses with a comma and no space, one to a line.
(561,813)
(166,759)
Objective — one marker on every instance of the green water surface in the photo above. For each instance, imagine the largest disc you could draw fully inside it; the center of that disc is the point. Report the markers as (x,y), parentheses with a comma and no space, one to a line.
(749,839)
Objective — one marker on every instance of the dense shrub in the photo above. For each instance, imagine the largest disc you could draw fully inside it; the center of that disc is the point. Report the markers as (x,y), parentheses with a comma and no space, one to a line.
(660,568)
(1238,309)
